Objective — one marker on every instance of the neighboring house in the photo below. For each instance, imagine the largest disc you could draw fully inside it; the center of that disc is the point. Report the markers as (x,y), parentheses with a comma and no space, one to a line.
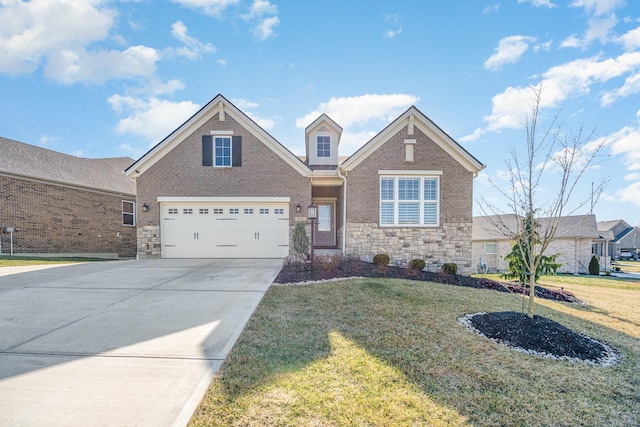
(573,241)
(65,205)
(621,237)
(221,186)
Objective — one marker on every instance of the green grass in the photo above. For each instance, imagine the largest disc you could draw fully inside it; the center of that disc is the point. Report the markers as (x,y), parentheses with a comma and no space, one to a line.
(391,352)
(13,261)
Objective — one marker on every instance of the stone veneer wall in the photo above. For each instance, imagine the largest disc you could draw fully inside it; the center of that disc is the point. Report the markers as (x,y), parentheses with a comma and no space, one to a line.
(436,245)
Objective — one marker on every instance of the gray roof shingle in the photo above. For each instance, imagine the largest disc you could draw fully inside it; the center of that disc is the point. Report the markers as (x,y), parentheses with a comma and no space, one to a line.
(569,227)
(20,159)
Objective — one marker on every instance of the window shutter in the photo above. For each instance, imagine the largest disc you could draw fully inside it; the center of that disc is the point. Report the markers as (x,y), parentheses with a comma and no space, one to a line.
(207,150)
(236,150)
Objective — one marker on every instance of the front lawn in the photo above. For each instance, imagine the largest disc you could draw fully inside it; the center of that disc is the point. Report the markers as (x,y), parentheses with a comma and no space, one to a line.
(14,261)
(391,352)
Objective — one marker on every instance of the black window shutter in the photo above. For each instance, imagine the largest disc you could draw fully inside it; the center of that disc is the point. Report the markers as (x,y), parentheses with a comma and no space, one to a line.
(207,150)
(236,150)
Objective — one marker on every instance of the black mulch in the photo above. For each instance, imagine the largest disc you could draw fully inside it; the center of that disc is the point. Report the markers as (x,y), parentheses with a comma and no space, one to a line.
(539,335)
(354,268)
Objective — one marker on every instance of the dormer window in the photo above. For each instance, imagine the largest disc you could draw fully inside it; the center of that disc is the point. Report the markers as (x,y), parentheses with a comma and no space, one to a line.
(323,144)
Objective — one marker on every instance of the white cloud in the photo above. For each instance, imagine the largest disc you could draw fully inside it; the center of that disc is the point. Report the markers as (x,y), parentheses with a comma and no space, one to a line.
(260,8)
(390,34)
(360,110)
(631,39)
(193,48)
(265,29)
(222,62)
(630,194)
(208,7)
(632,177)
(539,3)
(351,141)
(597,7)
(31,31)
(626,143)
(510,50)
(631,86)
(491,9)
(246,105)
(45,140)
(153,119)
(559,83)
(71,66)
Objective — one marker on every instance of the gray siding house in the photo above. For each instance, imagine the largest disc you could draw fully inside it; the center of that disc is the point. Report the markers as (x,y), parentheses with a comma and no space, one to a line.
(221,186)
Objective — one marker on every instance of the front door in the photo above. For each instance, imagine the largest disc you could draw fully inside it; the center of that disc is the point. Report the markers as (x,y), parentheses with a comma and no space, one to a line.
(325,233)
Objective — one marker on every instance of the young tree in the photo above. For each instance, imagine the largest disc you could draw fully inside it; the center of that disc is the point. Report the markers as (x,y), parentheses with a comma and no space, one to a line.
(552,154)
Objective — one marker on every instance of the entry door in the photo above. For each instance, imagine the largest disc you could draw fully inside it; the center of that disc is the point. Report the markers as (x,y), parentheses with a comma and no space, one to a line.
(325,232)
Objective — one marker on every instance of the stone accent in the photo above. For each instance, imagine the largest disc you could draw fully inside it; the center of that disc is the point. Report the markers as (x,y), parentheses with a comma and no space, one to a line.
(61,220)
(149,245)
(436,245)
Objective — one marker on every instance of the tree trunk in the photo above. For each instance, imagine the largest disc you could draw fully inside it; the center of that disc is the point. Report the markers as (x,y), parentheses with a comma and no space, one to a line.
(532,293)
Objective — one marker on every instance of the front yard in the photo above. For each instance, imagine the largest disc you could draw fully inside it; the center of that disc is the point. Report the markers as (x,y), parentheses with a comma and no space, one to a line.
(391,352)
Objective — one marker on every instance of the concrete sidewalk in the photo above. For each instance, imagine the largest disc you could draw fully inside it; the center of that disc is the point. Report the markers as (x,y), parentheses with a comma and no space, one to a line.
(120,342)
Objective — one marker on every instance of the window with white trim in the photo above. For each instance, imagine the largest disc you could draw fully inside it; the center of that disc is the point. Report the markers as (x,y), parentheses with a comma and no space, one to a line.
(264,211)
(278,211)
(218,211)
(248,211)
(173,211)
(128,213)
(409,201)
(222,151)
(323,144)
(188,211)
(203,211)
(234,211)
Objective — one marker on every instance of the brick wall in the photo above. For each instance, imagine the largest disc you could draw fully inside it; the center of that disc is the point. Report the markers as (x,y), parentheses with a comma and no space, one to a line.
(450,242)
(180,173)
(56,219)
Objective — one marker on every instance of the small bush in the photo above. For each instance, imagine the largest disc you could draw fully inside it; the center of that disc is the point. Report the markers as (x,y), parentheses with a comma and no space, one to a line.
(450,268)
(300,239)
(295,261)
(594,266)
(417,264)
(329,262)
(356,265)
(381,259)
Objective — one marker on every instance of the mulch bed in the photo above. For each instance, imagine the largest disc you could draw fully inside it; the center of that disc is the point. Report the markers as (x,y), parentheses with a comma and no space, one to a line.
(296,273)
(540,336)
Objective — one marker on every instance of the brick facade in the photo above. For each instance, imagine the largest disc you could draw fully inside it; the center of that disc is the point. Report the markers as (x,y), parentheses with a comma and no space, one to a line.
(449,242)
(180,174)
(55,219)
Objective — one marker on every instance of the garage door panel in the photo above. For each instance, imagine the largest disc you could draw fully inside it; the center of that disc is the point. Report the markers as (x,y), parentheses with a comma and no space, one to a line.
(219,230)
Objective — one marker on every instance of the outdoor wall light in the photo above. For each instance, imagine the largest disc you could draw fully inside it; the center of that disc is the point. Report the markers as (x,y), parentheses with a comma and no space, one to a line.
(145,207)
(298,208)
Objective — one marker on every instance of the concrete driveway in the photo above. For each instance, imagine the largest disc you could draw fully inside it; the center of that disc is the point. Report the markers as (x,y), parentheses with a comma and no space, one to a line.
(132,343)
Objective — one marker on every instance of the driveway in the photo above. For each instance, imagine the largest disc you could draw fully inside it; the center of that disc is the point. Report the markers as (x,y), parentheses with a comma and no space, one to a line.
(132,343)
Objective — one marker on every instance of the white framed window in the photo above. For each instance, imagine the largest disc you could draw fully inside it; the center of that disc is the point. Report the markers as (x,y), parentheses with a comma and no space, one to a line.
(234,211)
(323,146)
(218,211)
(248,211)
(490,248)
(278,211)
(409,201)
(264,211)
(203,211)
(173,211)
(128,213)
(187,211)
(222,151)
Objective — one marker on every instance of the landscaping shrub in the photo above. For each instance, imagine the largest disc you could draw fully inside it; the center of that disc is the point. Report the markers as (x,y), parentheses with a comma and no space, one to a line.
(300,239)
(450,268)
(381,259)
(594,266)
(329,262)
(417,264)
(295,261)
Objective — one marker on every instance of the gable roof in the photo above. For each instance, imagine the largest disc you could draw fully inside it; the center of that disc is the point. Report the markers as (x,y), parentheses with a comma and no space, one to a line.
(609,225)
(218,105)
(31,162)
(415,117)
(322,119)
(569,227)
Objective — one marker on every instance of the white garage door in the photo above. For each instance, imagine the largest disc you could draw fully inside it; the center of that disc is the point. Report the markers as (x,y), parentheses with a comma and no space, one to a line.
(225,228)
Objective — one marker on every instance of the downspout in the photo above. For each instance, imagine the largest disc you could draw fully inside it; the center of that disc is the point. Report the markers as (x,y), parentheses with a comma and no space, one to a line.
(344,209)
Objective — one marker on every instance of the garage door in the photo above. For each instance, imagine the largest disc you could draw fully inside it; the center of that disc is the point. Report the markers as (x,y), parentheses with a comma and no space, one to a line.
(225,228)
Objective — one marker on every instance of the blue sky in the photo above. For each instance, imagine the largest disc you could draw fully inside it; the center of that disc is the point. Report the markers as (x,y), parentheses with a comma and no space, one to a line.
(109,78)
